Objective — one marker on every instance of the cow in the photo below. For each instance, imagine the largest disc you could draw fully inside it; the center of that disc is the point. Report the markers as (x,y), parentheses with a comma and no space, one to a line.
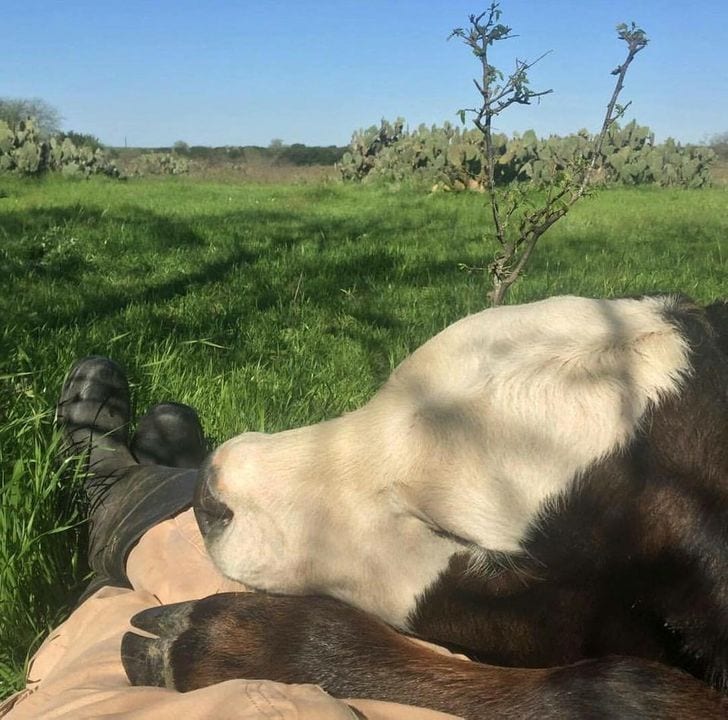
(542,487)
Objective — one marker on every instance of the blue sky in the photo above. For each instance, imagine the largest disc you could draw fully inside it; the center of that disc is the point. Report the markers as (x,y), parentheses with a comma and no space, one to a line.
(245,72)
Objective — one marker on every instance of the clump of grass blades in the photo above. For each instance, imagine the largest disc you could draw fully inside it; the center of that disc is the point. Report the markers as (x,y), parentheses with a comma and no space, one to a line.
(41,528)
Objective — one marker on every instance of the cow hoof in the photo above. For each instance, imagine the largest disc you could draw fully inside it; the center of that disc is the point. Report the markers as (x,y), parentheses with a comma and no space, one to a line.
(256,636)
(146,659)
(230,636)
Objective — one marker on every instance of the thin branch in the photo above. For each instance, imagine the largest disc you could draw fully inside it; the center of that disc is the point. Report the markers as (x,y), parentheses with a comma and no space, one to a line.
(499,93)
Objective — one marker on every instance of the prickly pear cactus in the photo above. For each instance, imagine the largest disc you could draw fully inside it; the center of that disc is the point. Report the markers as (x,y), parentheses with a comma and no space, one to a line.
(7,138)
(7,163)
(366,145)
(448,158)
(25,152)
(72,169)
(27,158)
(154,163)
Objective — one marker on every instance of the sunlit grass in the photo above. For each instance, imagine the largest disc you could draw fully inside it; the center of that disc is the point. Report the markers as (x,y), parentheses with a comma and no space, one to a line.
(41,527)
(264,306)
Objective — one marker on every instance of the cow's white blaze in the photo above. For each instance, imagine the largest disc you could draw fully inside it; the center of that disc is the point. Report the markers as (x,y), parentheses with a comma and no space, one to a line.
(468,438)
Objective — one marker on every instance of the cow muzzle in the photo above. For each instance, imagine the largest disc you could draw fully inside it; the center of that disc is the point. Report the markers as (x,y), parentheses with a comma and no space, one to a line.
(212,515)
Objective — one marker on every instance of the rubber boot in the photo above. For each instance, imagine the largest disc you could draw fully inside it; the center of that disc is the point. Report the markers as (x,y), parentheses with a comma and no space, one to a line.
(125,498)
(170,434)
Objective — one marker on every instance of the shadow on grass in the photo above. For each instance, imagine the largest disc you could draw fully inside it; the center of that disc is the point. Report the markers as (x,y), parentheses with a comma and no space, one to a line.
(55,244)
(161,230)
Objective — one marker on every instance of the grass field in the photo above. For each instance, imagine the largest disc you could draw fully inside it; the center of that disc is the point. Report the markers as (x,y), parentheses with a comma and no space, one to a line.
(265,306)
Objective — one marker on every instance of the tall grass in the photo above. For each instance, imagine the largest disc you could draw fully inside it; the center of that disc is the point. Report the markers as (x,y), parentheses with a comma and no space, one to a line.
(41,526)
(264,306)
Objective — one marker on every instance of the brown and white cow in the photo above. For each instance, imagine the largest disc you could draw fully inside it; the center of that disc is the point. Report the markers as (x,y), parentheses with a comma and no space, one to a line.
(536,485)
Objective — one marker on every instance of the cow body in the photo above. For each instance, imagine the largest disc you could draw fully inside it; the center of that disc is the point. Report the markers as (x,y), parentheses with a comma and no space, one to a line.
(535,485)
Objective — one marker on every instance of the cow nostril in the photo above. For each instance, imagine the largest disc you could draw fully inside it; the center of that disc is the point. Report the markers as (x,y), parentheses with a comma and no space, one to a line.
(210,512)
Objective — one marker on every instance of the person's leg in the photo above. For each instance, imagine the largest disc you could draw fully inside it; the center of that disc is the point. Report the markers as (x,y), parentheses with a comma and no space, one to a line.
(126,498)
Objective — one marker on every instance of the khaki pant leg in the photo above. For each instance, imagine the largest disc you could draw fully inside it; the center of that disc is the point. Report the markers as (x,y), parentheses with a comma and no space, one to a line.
(77,673)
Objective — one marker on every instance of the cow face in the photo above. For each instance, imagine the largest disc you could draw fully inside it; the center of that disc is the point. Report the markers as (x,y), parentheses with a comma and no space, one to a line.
(280,514)
(460,451)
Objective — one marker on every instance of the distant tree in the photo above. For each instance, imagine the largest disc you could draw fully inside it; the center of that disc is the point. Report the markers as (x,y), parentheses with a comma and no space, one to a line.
(276,144)
(719,143)
(47,118)
(300,154)
(181,147)
(517,225)
(82,139)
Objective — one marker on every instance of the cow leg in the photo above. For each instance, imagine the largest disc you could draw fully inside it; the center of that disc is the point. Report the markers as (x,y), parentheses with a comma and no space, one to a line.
(351,654)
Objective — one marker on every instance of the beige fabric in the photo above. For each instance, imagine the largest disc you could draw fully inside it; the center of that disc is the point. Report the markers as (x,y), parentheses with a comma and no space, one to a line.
(77,672)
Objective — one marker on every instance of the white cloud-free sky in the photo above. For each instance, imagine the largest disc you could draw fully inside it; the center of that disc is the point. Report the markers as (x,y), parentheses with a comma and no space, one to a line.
(243,72)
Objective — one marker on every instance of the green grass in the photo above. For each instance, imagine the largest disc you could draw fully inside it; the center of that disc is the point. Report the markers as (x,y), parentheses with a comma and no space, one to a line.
(266,307)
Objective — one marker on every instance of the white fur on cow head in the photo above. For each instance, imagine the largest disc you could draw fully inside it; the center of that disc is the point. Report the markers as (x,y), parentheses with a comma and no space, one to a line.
(463,445)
